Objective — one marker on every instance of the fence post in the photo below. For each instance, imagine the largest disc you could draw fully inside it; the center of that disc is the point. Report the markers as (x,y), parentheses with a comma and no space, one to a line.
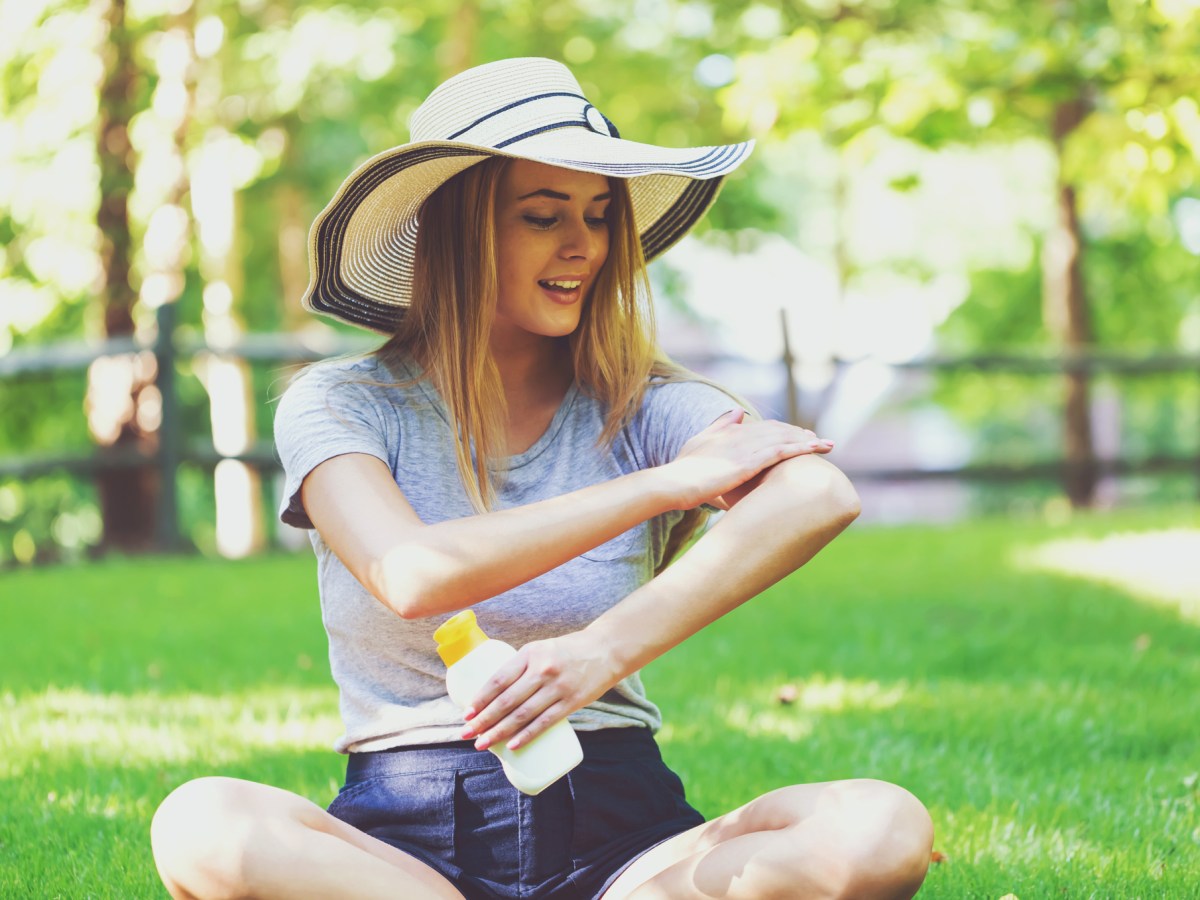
(168,455)
(793,404)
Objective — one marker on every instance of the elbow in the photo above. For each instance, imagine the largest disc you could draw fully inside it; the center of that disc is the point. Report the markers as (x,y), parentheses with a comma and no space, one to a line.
(402,581)
(404,601)
(411,603)
(819,487)
(417,599)
(405,606)
(843,501)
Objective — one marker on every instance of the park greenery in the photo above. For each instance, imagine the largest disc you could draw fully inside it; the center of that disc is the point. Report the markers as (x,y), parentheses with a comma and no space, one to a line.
(973,177)
(175,151)
(1046,720)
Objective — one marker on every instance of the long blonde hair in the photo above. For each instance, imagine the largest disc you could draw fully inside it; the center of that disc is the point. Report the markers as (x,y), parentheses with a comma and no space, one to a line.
(446,329)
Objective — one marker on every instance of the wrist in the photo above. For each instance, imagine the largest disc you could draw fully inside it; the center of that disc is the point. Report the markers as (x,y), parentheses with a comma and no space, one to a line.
(626,647)
(671,488)
(665,489)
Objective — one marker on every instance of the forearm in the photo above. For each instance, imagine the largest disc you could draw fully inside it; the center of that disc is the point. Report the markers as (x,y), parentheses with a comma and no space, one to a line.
(800,506)
(457,563)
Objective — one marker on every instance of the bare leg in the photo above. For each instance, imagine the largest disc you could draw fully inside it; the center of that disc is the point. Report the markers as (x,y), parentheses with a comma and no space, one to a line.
(862,838)
(225,838)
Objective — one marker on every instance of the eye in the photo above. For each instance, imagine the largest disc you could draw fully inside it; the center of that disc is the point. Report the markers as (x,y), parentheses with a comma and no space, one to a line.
(538,222)
(601,222)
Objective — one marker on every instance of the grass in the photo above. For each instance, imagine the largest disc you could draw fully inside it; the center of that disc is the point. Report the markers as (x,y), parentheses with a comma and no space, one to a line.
(1050,723)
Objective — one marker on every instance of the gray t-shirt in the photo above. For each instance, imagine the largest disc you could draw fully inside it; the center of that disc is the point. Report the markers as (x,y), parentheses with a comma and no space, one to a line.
(391,680)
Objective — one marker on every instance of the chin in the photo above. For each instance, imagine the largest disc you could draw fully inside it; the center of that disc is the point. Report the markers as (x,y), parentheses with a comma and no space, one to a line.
(559,329)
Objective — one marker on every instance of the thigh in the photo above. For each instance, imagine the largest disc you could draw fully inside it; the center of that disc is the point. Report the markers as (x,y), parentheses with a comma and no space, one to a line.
(836,801)
(198,817)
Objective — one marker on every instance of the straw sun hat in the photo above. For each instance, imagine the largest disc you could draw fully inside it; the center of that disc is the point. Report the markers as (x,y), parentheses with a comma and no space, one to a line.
(362,244)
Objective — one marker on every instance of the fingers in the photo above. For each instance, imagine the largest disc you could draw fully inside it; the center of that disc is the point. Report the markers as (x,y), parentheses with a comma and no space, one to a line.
(551,715)
(526,721)
(519,696)
(500,681)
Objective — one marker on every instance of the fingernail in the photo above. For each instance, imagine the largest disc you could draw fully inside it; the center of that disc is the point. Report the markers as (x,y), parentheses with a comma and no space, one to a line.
(468,733)
(481,744)
(813,445)
(468,714)
(513,744)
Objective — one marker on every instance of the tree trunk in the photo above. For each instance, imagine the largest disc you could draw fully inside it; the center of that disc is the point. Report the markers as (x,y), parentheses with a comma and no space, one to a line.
(128,497)
(1065,312)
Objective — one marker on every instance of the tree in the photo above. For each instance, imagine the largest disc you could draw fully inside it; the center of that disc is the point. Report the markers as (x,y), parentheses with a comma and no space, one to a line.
(119,387)
(1107,86)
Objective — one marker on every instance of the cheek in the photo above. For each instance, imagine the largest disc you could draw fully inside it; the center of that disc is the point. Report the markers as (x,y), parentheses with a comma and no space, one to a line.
(602,247)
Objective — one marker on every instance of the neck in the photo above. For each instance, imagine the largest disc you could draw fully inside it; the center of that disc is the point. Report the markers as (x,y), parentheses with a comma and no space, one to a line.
(533,370)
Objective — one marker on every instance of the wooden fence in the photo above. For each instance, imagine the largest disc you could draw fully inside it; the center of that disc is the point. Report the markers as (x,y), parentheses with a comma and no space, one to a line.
(292,349)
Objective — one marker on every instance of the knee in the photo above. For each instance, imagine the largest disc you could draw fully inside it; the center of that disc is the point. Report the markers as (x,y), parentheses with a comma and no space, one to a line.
(891,840)
(199,835)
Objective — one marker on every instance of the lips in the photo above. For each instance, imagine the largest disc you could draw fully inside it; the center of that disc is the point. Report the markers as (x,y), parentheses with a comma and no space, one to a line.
(558,295)
(565,289)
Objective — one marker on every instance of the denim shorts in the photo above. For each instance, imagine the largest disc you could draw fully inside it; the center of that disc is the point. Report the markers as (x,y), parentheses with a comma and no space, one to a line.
(450,806)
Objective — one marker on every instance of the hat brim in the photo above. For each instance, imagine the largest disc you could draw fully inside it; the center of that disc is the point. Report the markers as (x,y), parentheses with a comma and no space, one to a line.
(362,244)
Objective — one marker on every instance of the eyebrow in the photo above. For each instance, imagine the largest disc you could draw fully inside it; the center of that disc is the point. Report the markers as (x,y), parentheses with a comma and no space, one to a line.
(555,195)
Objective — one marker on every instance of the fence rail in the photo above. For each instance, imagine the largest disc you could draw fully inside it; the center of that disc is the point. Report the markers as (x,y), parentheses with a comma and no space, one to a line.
(299,348)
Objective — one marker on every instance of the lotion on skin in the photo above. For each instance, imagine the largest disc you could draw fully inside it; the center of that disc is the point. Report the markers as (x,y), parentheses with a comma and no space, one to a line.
(471,658)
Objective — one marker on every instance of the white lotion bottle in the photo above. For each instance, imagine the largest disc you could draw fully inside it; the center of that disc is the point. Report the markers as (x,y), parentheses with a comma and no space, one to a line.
(471,658)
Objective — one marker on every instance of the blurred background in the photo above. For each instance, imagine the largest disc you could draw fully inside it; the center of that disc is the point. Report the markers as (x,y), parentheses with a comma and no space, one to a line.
(967,247)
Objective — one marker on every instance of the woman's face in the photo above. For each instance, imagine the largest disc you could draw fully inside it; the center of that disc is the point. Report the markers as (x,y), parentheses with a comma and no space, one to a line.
(552,239)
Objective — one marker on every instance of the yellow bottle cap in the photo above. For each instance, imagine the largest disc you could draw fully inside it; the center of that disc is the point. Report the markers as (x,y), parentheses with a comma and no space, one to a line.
(458,636)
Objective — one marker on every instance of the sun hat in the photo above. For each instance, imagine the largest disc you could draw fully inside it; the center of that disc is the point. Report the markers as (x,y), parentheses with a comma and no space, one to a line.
(361,246)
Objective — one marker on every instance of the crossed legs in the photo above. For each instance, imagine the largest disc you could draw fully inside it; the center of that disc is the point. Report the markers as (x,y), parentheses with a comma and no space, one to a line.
(860,838)
(225,838)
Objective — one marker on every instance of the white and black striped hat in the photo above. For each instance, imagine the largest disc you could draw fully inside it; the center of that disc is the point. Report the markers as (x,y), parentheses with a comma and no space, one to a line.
(361,246)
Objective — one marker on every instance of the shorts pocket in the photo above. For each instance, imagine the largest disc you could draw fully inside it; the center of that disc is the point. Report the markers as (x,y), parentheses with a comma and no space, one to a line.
(486,817)
(412,808)
(614,800)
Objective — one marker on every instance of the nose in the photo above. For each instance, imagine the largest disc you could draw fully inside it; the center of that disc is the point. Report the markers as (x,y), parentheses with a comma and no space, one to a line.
(582,242)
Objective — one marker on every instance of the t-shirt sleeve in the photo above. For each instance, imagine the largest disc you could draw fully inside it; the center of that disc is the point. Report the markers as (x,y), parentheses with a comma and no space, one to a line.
(321,415)
(672,413)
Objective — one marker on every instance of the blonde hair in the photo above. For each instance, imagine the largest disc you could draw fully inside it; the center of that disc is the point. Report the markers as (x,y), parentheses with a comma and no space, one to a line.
(446,330)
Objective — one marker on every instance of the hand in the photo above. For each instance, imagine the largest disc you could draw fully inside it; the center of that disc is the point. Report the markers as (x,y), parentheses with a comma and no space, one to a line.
(545,682)
(732,451)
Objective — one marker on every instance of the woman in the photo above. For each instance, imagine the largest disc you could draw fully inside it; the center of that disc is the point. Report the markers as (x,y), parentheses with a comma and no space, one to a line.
(520,446)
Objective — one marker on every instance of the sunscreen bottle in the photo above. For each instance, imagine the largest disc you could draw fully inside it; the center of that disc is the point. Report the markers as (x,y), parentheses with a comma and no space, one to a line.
(471,657)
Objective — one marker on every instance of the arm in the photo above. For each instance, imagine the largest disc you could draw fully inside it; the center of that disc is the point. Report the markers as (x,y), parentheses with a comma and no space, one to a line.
(422,570)
(800,505)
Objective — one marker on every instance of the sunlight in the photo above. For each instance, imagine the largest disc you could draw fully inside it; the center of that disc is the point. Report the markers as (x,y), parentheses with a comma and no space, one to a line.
(239,517)
(1154,566)
(835,695)
(979,836)
(112,383)
(795,717)
(131,729)
(756,722)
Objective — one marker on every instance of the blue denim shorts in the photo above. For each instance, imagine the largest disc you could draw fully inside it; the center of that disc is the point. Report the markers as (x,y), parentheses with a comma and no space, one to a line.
(450,806)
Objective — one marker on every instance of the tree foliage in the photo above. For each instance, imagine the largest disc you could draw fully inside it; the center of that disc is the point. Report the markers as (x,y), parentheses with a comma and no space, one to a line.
(288,98)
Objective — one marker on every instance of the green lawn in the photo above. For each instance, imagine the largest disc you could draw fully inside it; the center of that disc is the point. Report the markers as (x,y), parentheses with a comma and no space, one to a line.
(1049,722)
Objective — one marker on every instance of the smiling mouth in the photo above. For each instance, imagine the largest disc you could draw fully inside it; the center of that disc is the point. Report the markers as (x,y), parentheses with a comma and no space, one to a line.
(565,292)
(564,286)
